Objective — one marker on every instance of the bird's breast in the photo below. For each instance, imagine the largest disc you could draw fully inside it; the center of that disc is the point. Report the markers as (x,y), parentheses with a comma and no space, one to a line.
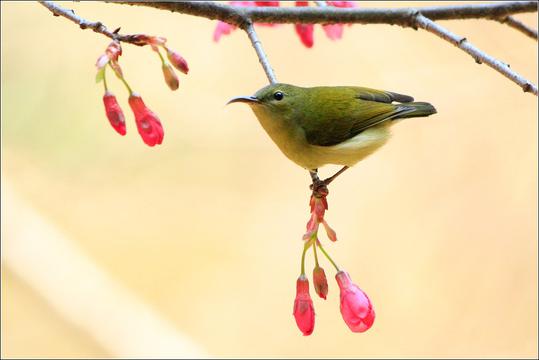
(289,137)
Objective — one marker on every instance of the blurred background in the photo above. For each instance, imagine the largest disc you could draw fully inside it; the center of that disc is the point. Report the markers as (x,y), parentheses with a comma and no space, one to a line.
(203,234)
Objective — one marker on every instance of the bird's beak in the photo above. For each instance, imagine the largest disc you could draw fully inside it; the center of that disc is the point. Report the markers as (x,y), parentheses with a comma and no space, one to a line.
(244,99)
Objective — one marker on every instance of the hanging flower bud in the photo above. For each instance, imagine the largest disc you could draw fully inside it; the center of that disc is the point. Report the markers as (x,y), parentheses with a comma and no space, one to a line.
(320,282)
(303,307)
(114,113)
(305,31)
(356,308)
(170,77)
(332,235)
(148,124)
(177,61)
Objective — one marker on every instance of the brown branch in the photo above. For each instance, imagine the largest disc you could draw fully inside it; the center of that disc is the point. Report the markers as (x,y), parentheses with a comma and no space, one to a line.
(238,15)
(479,56)
(96,26)
(519,25)
(257,45)
(244,17)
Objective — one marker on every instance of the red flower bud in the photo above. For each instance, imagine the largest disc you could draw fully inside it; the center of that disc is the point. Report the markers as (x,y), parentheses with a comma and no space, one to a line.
(148,124)
(356,308)
(178,61)
(114,113)
(170,77)
(303,307)
(320,282)
(267,3)
(305,31)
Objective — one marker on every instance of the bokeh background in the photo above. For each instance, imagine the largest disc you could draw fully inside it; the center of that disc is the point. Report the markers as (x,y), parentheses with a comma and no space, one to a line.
(439,227)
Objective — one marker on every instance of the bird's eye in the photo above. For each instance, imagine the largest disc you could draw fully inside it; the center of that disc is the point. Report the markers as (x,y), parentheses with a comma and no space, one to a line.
(278,96)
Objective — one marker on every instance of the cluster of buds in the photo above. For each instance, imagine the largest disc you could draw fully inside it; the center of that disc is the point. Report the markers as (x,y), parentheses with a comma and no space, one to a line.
(356,308)
(148,124)
(305,32)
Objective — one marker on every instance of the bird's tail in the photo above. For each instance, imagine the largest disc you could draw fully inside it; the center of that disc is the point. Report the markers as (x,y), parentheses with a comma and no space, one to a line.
(417,109)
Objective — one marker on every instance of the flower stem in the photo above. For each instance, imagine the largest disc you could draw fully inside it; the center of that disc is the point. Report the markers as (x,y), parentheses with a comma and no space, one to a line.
(315,244)
(305,248)
(163,61)
(125,83)
(105,78)
(329,258)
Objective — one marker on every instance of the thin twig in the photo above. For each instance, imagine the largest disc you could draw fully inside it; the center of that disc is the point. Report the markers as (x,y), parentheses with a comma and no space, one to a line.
(478,55)
(244,17)
(238,15)
(250,30)
(96,26)
(519,25)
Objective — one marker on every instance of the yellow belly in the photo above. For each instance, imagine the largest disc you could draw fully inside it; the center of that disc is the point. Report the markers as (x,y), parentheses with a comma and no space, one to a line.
(346,153)
(292,142)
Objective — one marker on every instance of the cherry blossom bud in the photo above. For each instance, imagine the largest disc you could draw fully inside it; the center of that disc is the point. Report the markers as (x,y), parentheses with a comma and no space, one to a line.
(342,4)
(305,31)
(267,3)
(177,61)
(114,113)
(333,31)
(332,235)
(221,29)
(303,307)
(148,124)
(320,282)
(170,77)
(356,308)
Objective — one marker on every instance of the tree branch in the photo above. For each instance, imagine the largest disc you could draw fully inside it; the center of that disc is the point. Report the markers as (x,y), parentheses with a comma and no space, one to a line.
(518,25)
(478,55)
(250,30)
(237,15)
(244,17)
(96,26)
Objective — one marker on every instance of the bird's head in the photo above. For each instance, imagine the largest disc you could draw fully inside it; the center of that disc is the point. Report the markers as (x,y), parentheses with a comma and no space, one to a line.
(274,98)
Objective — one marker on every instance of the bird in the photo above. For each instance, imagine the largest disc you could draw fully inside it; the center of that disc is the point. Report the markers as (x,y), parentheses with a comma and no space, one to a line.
(340,125)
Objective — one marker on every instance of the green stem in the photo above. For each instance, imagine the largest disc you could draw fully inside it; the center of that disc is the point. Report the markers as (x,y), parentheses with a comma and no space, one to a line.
(105,79)
(163,61)
(315,244)
(329,258)
(305,248)
(125,82)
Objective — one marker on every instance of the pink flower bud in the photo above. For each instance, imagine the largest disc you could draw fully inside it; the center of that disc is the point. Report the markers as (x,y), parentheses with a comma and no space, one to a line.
(333,31)
(342,4)
(356,308)
(148,124)
(170,77)
(221,29)
(332,235)
(303,307)
(114,113)
(177,61)
(320,282)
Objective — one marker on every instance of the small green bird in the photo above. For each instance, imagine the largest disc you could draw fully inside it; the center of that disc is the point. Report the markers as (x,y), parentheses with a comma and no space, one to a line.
(330,124)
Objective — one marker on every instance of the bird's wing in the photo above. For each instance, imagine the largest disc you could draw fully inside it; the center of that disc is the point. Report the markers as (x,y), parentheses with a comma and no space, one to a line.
(333,117)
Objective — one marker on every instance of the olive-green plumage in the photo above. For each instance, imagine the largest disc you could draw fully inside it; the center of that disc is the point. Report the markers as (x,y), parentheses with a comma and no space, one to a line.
(330,125)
